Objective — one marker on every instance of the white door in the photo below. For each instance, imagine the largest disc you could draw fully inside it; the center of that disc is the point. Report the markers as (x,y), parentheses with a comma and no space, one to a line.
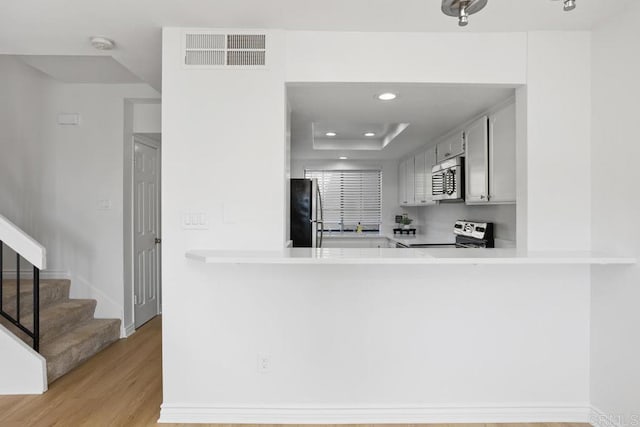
(146,223)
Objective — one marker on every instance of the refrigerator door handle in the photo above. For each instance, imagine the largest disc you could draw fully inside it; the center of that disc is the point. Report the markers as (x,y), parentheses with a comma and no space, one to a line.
(321,222)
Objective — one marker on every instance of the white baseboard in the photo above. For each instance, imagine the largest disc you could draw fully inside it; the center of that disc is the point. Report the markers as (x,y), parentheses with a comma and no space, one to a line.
(598,418)
(44,274)
(374,415)
(129,330)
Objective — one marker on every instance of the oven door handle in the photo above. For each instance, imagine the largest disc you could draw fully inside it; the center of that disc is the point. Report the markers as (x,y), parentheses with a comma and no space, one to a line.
(464,245)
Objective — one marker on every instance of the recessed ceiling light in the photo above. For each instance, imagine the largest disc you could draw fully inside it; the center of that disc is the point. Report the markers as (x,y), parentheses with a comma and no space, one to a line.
(387,96)
(331,134)
(370,134)
(102,43)
(343,158)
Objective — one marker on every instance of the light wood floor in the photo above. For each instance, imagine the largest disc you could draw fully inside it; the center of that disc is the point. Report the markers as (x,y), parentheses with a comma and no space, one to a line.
(121,386)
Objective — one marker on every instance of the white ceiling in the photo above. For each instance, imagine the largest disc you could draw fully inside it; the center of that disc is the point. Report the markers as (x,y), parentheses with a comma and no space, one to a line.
(63,27)
(432,111)
(81,69)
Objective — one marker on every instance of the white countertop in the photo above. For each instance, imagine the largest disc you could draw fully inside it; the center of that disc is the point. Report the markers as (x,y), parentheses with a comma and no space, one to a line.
(403,256)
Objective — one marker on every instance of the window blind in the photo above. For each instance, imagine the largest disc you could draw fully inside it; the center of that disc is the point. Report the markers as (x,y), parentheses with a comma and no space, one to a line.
(349,197)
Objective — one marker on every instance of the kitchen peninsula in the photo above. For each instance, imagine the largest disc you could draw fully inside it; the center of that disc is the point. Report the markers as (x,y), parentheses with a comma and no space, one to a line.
(254,333)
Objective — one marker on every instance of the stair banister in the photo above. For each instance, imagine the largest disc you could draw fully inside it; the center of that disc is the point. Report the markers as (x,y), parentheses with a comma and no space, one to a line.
(34,253)
(23,244)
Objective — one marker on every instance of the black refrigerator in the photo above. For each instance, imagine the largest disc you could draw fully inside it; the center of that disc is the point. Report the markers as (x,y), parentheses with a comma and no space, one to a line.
(306,214)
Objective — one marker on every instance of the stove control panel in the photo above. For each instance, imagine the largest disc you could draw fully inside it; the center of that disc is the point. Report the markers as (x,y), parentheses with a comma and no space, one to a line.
(476,230)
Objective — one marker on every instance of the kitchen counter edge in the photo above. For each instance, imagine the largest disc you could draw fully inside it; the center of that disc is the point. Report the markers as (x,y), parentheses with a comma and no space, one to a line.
(356,256)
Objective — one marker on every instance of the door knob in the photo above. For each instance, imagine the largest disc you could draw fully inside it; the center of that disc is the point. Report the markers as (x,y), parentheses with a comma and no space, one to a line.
(158,240)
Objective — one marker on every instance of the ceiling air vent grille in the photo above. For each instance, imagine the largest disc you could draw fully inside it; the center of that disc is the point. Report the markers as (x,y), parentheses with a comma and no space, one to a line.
(209,50)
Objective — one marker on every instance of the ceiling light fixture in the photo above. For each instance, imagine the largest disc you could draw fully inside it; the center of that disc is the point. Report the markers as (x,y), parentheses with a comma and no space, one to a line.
(461,9)
(370,134)
(331,134)
(387,96)
(343,158)
(102,43)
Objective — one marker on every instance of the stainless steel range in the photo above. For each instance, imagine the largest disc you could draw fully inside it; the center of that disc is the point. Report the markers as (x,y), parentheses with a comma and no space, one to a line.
(470,234)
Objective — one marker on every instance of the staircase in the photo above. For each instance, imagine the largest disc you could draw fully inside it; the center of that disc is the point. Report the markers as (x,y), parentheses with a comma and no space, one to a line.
(69,334)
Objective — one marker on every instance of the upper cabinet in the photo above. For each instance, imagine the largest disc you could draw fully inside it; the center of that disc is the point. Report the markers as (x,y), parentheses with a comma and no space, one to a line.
(490,164)
(424,162)
(477,161)
(450,147)
(402,183)
(489,147)
(414,179)
(406,181)
(502,155)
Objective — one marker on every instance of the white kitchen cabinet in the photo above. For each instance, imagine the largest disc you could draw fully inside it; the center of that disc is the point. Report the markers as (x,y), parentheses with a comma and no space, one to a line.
(477,161)
(502,155)
(402,183)
(490,164)
(424,162)
(406,181)
(420,180)
(450,147)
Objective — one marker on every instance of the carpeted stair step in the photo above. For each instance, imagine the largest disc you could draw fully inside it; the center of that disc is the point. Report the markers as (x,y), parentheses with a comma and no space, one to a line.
(56,319)
(69,350)
(51,291)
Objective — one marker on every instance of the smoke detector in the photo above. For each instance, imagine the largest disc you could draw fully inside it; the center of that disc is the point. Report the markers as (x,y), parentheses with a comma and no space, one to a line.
(102,43)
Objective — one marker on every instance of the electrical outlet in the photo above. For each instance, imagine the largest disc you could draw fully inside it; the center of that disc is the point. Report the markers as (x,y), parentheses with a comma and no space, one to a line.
(263,363)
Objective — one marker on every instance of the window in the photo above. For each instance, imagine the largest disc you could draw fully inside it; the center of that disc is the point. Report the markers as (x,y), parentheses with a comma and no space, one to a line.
(349,197)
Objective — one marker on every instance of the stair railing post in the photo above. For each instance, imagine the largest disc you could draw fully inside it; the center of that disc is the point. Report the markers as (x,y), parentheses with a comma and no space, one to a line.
(18,288)
(1,274)
(36,309)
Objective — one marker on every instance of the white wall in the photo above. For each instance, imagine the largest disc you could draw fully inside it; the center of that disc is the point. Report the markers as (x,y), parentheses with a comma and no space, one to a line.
(491,58)
(558,139)
(224,151)
(147,117)
(23,162)
(371,344)
(615,319)
(22,370)
(389,168)
(54,176)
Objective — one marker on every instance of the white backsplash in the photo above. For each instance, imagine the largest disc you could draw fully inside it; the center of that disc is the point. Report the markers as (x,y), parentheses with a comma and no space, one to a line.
(437,221)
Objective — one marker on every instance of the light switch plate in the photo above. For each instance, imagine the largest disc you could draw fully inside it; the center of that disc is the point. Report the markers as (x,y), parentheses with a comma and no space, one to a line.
(195,221)
(105,205)
(69,119)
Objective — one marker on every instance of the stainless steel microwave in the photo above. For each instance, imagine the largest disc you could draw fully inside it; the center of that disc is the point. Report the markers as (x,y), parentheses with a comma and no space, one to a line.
(447,180)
